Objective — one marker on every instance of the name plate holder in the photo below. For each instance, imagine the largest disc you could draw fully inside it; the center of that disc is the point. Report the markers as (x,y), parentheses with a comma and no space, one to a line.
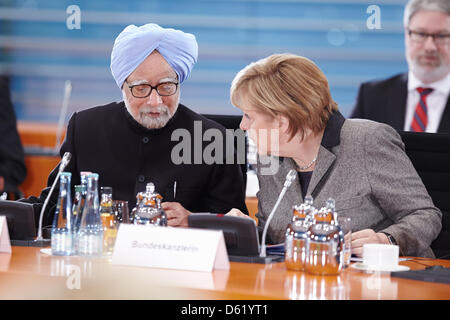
(5,243)
(170,248)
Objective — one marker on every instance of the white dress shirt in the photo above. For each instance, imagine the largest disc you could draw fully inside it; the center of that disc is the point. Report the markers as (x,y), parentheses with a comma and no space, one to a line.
(436,101)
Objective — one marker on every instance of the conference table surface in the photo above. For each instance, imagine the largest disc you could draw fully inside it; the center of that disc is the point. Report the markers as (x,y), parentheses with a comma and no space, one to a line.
(28,273)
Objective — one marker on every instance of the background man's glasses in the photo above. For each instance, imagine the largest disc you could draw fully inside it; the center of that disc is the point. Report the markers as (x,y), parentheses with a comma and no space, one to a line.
(438,38)
(144,90)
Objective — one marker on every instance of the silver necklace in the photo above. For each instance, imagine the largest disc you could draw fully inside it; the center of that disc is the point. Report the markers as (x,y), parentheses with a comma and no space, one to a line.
(307,166)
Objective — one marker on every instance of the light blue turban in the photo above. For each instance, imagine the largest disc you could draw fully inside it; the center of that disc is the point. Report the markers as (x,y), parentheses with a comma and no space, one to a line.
(134,44)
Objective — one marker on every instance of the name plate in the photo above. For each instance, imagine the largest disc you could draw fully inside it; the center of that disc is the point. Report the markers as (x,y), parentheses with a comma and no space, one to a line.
(5,244)
(171,248)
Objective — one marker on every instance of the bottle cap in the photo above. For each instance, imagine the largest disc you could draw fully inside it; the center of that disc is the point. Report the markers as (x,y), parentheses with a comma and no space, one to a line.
(106,189)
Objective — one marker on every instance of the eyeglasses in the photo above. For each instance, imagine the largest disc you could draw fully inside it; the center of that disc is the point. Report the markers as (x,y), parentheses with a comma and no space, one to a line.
(438,38)
(144,90)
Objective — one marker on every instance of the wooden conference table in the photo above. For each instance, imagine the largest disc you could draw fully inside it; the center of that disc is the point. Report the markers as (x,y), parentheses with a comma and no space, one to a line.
(28,273)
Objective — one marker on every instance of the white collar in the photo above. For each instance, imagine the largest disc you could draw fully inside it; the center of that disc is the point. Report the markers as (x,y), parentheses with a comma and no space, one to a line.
(442,86)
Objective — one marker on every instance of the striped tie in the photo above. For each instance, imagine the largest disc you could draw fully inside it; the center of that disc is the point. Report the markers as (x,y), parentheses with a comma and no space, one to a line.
(420,120)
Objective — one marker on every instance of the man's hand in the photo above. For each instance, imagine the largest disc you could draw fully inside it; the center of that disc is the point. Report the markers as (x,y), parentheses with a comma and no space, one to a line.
(362,237)
(2,183)
(177,215)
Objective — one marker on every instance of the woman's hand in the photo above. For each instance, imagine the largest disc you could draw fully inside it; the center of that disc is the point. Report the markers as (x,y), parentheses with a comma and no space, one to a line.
(237,213)
(360,238)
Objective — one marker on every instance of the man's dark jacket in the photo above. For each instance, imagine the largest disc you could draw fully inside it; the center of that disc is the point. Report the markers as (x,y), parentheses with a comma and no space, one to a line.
(108,141)
(385,101)
(12,159)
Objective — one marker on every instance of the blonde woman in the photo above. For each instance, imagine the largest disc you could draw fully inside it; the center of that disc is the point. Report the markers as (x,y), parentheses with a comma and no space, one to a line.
(359,163)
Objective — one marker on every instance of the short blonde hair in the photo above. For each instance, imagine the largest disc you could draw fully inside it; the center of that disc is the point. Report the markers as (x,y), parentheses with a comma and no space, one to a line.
(285,84)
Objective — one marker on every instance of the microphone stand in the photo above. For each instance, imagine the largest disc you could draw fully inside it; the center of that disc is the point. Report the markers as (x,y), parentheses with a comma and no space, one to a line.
(62,115)
(263,258)
(292,174)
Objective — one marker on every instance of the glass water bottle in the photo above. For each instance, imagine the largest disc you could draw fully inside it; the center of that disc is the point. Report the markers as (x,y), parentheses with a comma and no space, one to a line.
(80,199)
(90,233)
(62,230)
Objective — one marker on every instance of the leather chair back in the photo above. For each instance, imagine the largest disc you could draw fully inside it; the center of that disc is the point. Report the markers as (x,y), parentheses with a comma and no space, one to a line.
(430,155)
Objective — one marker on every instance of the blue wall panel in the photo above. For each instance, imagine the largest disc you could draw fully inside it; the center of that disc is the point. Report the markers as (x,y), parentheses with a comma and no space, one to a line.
(40,53)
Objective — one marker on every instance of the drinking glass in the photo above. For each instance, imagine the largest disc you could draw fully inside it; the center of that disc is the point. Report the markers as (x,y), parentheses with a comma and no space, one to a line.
(120,214)
(346,226)
(121,211)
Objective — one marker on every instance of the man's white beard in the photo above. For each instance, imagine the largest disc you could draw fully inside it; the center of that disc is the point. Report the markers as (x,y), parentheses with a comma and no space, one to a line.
(147,121)
(428,76)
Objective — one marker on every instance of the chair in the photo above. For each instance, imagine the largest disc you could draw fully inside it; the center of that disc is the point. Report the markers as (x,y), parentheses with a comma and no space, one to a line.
(231,122)
(14,194)
(430,155)
(20,219)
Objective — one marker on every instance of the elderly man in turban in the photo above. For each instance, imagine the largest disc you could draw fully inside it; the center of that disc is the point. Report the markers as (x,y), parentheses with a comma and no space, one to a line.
(129,143)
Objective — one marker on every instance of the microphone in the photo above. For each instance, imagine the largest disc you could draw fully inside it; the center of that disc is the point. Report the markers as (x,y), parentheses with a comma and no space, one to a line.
(54,150)
(65,161)
(62,115)
(290,177)
(62,165)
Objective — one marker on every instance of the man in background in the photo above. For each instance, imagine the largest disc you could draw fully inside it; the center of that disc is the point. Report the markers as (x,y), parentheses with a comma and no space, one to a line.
(418,100)
(12,162)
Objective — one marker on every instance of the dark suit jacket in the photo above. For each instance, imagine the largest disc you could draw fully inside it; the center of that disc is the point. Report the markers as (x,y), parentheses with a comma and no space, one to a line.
(108,141)
(12,163)
(385,101)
